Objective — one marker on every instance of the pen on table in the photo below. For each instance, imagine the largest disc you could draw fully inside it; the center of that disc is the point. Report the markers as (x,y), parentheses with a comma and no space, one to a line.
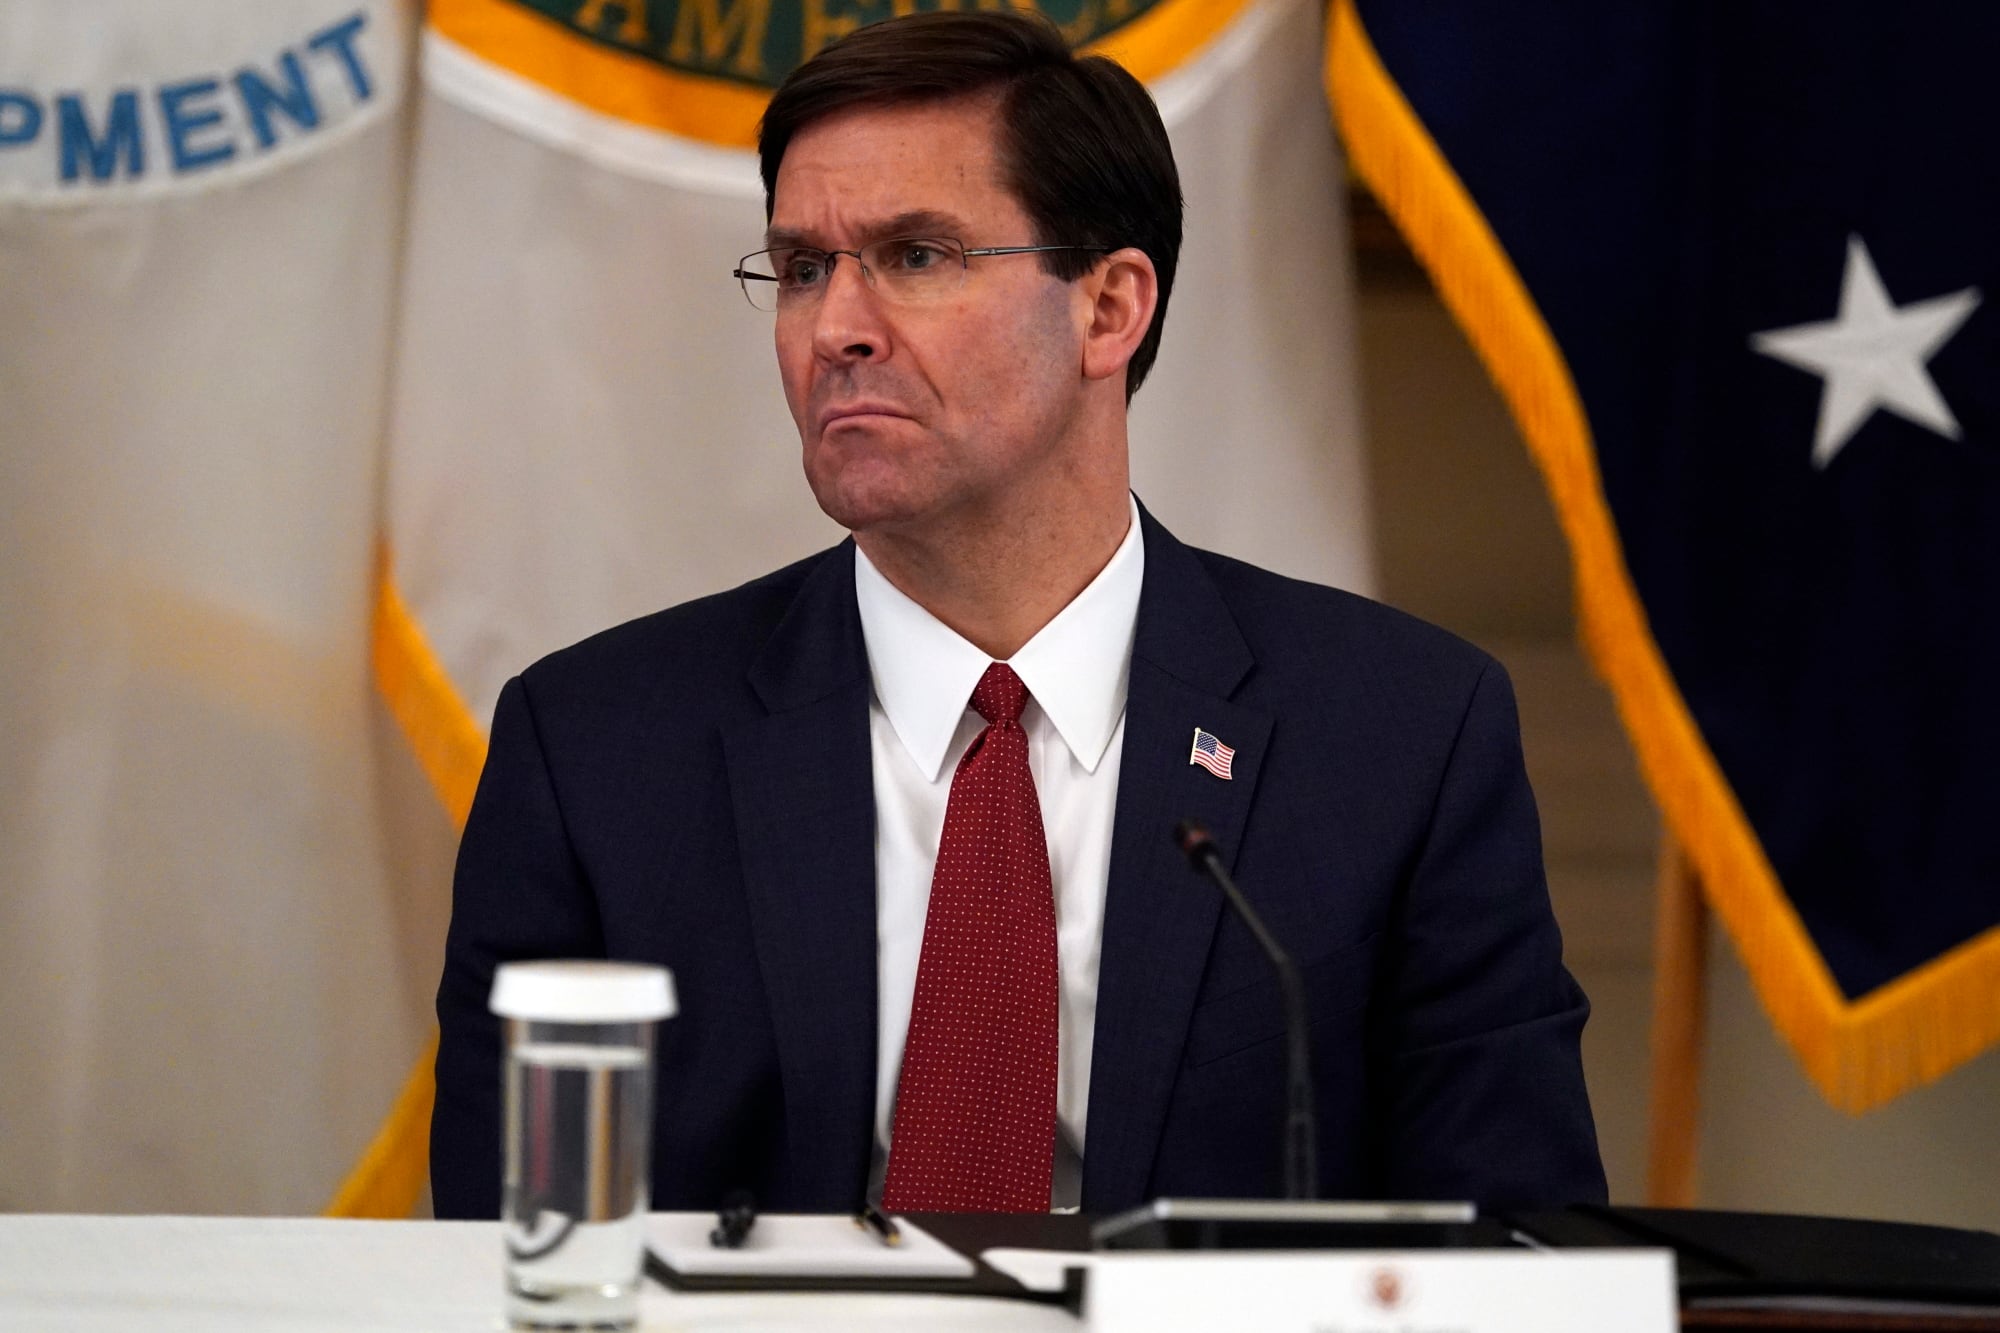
(733,1220)
(871,1218)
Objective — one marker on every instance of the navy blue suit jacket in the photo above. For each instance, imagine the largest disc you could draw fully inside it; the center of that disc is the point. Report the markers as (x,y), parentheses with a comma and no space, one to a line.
(693,789)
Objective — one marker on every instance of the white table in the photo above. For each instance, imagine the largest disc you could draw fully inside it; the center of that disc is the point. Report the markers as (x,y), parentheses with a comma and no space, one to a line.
(63,1274)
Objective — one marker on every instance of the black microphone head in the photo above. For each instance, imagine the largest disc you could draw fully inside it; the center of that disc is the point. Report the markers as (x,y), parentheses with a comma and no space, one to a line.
(1192,837)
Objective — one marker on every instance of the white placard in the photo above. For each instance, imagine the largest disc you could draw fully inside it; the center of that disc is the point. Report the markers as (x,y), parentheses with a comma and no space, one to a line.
(1364,1291)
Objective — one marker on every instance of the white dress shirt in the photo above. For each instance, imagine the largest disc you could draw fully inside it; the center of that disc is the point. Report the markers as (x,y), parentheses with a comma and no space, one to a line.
(920,723)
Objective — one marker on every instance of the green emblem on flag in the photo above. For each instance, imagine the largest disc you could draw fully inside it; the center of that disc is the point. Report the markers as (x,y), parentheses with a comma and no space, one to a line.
(759,42)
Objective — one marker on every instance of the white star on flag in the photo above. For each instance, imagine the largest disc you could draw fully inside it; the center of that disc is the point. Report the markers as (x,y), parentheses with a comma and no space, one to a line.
(1872,355)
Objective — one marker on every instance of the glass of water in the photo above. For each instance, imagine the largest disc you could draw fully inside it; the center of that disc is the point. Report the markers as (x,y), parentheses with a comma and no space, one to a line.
(579,1121)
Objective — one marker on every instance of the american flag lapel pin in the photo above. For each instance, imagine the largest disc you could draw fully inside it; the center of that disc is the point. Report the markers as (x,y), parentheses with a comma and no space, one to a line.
(1211,754)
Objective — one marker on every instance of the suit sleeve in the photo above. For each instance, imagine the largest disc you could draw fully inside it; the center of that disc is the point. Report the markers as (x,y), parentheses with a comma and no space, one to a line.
(1485,1096)
(518,892)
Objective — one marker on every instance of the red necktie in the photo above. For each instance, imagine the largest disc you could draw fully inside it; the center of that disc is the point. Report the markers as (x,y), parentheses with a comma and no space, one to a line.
(975,1125)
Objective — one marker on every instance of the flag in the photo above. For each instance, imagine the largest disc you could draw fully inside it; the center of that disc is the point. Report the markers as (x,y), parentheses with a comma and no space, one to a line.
(1735,270)
(587,424)
(203,969)
(1212,754)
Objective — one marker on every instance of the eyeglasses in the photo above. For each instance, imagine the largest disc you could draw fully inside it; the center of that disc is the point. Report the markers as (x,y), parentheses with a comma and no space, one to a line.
(903,269)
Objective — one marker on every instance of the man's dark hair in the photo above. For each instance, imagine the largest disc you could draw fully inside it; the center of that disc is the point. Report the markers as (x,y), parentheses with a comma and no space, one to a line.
(1081,143)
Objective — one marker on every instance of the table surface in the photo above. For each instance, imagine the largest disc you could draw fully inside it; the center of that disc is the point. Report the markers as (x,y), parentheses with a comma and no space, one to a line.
(66,1274)
(96,1274)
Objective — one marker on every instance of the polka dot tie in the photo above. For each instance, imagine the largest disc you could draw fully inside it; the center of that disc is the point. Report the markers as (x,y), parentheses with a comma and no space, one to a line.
(975,1122)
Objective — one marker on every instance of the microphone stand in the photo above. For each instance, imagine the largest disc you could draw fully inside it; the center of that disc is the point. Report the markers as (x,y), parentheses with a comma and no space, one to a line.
(1301,1122)
(1299,1221)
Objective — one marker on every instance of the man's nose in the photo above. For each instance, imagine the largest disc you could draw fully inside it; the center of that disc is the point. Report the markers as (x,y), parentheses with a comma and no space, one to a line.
(849,326)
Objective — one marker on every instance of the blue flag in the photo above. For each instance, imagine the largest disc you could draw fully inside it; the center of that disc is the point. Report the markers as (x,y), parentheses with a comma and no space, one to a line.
(1737,270)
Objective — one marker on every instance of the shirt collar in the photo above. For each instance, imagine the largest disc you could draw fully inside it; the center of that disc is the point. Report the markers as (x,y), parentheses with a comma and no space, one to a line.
(1076,666)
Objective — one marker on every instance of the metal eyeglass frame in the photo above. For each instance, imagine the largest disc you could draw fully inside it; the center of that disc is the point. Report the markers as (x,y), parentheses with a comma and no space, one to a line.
(744,277)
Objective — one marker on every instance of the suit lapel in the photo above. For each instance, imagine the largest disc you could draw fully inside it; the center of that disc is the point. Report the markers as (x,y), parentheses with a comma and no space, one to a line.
(804,799)
(1188,658)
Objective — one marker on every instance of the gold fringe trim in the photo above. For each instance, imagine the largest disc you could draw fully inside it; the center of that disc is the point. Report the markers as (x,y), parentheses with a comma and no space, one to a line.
(392,1172)
(1861,1053)
(639,91)
(448,743)
(1166,36)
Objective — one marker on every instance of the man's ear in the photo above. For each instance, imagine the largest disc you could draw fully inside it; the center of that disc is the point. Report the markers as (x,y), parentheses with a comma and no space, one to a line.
(1122,292)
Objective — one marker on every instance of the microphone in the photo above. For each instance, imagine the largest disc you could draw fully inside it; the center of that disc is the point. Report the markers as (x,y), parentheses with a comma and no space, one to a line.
(1301,1134)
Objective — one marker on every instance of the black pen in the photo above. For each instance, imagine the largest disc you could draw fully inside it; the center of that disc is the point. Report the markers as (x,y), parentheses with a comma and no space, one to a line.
(871,1218)
(733,1220)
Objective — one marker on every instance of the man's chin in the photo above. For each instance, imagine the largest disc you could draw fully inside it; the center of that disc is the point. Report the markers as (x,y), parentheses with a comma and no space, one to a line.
(862,498)
(866,513)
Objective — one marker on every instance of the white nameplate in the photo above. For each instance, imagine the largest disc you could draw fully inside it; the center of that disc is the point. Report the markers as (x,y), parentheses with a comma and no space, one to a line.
(1371,1291)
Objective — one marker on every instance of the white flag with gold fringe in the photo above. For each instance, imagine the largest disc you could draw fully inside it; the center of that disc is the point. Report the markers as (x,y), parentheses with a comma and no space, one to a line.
(202,966)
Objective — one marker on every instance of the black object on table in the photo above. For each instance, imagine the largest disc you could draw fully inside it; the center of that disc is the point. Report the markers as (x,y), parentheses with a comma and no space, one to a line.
(968,1233)
(1727,1258)
(1729,1264)
(733,1220)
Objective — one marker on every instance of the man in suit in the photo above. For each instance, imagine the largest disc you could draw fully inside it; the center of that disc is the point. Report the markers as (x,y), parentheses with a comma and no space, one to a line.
(899,817)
